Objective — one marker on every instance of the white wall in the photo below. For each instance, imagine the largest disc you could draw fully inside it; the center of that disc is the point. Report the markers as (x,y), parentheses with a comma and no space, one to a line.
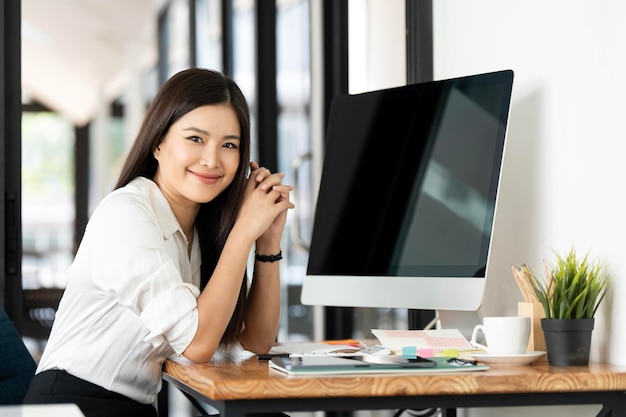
(563,167)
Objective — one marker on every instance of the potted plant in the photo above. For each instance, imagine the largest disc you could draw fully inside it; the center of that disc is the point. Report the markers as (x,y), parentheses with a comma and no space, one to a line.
(570,292)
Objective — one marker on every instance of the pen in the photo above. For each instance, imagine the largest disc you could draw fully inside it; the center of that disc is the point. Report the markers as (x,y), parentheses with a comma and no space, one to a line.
(268,356)
(349,342)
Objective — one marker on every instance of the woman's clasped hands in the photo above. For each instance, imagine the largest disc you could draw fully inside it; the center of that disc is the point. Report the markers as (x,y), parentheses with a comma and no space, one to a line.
(265,205)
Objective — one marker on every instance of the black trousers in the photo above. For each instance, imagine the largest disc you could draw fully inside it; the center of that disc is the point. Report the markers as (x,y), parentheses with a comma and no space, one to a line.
(53,387)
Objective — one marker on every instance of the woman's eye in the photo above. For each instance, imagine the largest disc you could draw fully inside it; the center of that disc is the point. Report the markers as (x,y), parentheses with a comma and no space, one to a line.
(230,145)
(196,139)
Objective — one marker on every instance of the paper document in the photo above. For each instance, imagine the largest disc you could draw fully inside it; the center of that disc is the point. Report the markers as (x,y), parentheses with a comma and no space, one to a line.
(396,340)
(316,349)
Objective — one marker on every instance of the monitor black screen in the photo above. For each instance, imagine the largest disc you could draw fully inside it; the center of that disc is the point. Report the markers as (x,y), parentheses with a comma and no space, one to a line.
(410,179)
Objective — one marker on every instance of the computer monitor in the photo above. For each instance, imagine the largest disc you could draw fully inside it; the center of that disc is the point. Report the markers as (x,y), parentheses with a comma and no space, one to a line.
(408,194)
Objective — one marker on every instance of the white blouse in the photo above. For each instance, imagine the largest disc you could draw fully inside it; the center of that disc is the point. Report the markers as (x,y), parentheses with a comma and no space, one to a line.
(130,300)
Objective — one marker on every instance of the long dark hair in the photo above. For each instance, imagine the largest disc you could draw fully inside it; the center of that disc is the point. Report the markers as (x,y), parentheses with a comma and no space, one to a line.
(182,93)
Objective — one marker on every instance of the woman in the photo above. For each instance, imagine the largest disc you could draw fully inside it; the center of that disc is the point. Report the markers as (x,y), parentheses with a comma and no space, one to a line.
(161,269)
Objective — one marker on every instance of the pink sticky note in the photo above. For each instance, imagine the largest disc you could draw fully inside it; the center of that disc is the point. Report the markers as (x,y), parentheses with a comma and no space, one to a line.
(426,353)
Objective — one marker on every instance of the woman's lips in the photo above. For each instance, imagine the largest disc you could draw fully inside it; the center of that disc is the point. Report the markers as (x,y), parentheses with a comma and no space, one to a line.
(206,177)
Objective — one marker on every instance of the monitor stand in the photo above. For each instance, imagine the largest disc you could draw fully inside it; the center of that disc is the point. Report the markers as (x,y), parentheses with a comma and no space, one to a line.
(464,321)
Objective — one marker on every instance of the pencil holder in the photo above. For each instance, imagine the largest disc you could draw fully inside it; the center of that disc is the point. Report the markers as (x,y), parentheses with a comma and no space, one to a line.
(536,341)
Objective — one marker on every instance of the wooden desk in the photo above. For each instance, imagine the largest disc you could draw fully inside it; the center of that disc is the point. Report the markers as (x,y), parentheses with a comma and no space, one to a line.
(250,386)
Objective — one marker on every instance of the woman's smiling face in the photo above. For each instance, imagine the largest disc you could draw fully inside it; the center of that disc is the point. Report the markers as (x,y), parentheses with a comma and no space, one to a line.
(199,156)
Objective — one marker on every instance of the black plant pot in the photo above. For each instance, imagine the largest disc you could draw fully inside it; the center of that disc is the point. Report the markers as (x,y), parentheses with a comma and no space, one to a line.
(567,341)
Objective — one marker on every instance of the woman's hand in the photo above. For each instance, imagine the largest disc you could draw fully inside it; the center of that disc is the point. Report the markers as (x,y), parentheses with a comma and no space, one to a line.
(264,210)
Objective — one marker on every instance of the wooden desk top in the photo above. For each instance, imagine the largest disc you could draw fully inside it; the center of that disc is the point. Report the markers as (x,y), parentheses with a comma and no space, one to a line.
(252,379)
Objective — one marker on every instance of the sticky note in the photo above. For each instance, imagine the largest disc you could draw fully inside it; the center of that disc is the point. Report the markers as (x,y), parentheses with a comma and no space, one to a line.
(409,351)
(452,353)
(426,353)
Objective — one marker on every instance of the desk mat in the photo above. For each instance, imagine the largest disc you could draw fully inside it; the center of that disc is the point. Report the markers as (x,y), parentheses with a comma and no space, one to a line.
(334,365)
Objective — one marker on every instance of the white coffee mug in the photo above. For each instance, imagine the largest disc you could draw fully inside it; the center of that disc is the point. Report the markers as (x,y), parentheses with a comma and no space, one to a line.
(503,335)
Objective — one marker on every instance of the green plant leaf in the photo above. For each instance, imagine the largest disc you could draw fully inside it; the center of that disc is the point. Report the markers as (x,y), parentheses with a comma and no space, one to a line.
(573,287)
